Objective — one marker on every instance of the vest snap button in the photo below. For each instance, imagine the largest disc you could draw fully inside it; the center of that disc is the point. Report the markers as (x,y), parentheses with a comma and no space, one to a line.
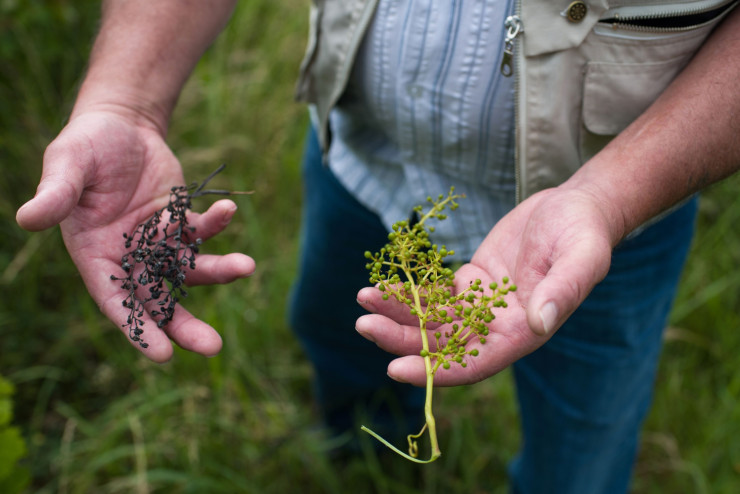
(576,11)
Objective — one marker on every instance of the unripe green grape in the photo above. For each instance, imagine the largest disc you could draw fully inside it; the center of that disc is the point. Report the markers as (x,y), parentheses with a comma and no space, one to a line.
(410,251)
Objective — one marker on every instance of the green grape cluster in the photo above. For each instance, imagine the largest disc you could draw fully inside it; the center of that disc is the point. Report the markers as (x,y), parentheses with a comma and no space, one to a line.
(411,265)
(416,272)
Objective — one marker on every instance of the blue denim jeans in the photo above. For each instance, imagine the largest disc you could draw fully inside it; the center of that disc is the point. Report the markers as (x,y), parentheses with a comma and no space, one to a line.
(583,395)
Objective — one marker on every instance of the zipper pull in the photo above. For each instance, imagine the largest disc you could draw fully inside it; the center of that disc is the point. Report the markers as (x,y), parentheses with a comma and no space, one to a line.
(513,25)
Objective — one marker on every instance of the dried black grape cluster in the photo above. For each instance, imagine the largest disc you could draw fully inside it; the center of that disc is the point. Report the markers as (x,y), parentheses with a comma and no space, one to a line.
(164,248)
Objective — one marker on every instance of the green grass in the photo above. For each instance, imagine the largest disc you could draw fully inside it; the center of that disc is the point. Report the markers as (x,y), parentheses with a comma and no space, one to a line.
(99,418)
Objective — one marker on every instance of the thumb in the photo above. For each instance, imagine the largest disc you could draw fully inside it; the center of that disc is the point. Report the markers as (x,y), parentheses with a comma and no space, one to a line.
(62,183)
(567,283)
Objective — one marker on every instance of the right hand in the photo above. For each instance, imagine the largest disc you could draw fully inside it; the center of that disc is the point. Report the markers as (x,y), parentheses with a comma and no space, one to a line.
(104,174)
(556,245)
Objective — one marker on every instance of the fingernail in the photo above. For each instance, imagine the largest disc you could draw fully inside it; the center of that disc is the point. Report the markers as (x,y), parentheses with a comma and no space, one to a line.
(366,335)
(229,214)
(549,316)
(396,378)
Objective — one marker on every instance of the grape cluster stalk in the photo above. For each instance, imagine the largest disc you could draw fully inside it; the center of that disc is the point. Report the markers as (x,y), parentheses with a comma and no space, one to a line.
(413,270)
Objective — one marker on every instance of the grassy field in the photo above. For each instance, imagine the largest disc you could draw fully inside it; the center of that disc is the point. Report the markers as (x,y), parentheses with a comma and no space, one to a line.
(98,418)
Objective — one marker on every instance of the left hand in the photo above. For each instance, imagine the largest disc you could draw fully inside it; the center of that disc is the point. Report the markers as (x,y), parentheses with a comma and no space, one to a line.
(555,246)
(103,175)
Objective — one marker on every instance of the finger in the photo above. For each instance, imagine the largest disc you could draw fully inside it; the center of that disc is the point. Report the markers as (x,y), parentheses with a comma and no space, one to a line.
(211,270)
(566,285)
(60,188)
(389,335)
(184,329)
(214,220)
(499,351)
(371,299)
(411,370)
(153,343)
(190,333)
(493,356)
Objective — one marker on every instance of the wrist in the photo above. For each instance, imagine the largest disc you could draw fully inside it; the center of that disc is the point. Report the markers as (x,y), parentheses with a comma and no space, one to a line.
(124,102)
(604,195)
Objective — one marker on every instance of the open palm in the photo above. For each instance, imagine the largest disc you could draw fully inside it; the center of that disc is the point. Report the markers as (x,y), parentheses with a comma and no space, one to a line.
(556,246)
(103,175)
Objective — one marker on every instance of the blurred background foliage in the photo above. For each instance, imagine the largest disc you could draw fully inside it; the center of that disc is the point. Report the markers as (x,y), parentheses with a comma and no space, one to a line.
(91,415)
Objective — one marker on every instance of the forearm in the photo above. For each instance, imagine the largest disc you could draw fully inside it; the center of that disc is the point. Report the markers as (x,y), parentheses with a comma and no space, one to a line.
(685,141)
(144,53)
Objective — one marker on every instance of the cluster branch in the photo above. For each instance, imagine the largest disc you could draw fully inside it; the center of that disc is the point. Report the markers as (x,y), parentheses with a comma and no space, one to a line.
(413,270)
(159,253)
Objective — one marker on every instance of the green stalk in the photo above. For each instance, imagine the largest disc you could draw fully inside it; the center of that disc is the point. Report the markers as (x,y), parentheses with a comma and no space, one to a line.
(425,274)
(430,424)
(428,415)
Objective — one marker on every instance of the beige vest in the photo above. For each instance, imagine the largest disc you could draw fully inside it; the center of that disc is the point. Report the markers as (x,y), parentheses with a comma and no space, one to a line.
(580,80)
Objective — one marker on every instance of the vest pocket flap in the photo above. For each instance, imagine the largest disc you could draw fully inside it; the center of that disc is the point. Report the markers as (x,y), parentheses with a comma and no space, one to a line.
(615,94)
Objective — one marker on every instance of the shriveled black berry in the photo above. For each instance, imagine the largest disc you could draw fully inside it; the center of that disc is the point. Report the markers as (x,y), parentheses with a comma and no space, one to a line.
(162,253)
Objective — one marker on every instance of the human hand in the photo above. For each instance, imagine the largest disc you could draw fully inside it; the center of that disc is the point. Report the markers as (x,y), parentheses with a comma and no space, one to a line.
(556,246)
(104,174)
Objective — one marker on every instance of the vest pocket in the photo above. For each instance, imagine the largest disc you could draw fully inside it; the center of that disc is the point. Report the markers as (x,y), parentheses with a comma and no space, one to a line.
(631,62)
(615,94)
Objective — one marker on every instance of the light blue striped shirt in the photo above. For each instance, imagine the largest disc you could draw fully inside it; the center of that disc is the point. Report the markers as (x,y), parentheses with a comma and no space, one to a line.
(426,108)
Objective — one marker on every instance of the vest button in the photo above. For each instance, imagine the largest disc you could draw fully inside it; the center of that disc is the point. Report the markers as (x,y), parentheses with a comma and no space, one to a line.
(576,11)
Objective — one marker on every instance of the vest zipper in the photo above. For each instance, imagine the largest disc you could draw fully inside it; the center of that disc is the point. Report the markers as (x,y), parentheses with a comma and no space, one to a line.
(513,25)
(512,61)
(666,18)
